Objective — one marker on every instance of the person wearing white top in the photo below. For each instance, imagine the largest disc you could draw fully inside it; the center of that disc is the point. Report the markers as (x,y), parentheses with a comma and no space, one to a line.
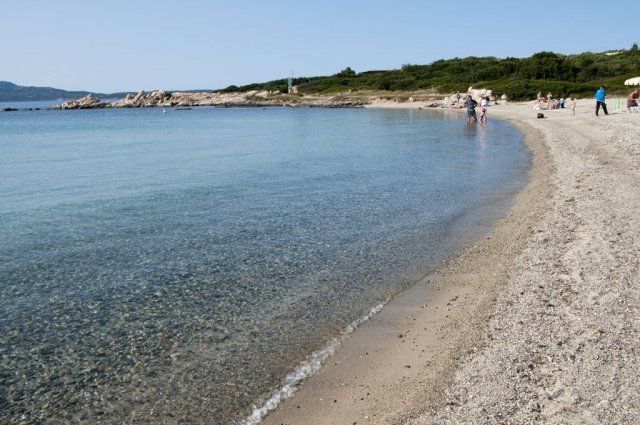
(484,107)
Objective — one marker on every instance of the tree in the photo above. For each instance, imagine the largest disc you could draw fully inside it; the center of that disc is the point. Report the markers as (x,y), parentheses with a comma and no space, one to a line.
(347,72)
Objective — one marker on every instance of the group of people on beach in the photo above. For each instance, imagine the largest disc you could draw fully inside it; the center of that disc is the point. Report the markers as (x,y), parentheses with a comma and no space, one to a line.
(632,101)
(471,105)
(549,102)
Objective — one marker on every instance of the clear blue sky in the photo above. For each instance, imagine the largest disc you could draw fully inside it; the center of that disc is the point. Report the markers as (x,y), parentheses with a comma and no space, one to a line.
(113,45)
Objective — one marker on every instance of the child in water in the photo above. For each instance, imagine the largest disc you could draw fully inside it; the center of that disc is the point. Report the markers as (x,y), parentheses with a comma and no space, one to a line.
(484,107)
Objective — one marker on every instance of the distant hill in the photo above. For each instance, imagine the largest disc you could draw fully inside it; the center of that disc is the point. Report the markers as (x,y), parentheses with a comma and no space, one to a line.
(10,92)
(519,78)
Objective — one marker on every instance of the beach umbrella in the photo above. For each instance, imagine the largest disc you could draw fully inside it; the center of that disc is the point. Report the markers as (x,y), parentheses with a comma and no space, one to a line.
(632,82)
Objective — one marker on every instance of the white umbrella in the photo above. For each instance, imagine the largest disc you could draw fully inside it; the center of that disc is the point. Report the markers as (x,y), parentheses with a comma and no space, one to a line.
(632,82)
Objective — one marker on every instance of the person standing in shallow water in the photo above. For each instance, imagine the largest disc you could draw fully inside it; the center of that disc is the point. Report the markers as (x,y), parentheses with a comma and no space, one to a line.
(472,118)
(484,108)
(600,101)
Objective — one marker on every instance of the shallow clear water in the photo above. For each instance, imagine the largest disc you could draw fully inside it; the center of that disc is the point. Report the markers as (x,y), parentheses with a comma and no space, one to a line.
(176,266)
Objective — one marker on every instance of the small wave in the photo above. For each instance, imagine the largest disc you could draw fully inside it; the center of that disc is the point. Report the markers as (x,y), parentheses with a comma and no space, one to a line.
(308,367)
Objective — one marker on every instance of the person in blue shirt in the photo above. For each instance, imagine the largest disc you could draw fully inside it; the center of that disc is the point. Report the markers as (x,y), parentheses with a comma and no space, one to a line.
(600,98)
(472,118)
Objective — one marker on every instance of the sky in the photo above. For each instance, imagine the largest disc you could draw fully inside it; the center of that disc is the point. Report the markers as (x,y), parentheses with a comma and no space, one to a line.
(116,45)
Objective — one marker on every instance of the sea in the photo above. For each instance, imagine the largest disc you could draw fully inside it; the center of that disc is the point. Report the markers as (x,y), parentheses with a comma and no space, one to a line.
(194,266)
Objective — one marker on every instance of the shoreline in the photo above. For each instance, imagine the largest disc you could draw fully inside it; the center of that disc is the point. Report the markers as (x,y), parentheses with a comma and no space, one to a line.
(537,323)
(409,342)
(558,346)
(315,361)
(254,99)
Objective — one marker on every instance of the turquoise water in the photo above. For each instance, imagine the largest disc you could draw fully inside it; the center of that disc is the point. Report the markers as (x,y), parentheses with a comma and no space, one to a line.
(175,267)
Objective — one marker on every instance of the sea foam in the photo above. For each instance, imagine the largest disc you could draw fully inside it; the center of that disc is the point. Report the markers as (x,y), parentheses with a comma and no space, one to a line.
(308,367)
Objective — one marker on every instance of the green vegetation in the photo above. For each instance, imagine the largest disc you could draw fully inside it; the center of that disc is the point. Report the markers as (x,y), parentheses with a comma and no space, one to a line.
(519,78)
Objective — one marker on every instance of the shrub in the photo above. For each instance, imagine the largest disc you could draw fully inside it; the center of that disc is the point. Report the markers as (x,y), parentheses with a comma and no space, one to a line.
(566,75)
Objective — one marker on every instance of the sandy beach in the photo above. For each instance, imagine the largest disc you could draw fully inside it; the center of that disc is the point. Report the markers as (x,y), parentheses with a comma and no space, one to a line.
(537,323)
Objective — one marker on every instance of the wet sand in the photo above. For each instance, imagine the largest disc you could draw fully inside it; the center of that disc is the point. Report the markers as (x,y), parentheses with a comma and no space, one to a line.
(539,322)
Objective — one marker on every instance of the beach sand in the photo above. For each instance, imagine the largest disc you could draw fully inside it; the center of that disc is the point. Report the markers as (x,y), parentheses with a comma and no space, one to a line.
(539,322)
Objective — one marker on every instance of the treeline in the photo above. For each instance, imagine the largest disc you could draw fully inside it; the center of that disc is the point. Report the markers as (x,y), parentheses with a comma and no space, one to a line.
(519,78)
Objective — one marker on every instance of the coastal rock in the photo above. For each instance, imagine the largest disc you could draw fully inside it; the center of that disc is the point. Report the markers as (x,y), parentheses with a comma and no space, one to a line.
(87,102)
(477,94)
(142,99)
(252,98)
(139,96)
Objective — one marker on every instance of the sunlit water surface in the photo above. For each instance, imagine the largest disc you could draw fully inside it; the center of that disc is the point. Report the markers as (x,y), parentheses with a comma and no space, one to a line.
(174,267)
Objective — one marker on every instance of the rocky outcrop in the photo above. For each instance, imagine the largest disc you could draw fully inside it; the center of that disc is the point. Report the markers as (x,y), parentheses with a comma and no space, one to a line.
(266,98)
(145,100)
(452,101)
(187,99)
(87,102)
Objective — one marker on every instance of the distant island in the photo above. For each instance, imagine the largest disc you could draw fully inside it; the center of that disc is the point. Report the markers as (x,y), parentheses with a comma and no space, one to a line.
(10,92)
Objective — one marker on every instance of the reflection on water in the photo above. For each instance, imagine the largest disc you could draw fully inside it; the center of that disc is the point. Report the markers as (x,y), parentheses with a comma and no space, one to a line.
(471,132)
(175,267)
